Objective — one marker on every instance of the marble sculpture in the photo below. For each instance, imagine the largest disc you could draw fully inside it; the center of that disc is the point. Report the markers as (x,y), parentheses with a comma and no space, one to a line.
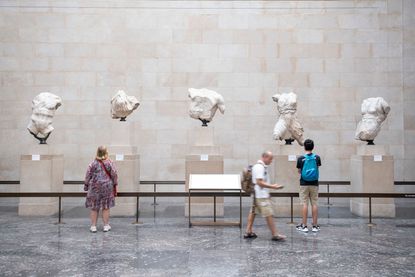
(123,105)
(374,112)
(44,106)
(288,127)
(204,103)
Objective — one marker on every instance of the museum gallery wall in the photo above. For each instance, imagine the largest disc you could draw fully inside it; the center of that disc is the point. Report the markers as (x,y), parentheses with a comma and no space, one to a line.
(101,61)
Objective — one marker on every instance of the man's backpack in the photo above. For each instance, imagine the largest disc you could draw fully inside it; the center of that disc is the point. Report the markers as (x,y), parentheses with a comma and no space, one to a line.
(310,169)
(246,180)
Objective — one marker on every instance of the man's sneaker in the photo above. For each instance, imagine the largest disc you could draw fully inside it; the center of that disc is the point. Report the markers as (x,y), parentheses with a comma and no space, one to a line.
(278,237)
(303,228)
(250,236)
(316,228)
(107,228)
(93,229)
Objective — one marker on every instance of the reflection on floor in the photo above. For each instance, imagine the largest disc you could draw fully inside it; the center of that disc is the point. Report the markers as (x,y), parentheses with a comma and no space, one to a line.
(165,246)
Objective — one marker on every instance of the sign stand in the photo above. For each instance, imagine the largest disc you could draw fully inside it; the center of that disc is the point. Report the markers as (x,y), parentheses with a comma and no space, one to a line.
(214,183)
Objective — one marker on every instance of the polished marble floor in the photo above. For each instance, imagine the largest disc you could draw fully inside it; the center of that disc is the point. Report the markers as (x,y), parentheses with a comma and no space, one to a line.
(165,246)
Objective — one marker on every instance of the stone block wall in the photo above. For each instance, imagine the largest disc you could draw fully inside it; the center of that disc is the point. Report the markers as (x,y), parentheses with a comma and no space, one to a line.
(333,54)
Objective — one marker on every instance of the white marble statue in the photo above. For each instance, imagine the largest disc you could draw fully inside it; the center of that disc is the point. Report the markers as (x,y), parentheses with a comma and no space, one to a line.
(204,103)
(288,127)
(374,112)
(123,105)
(44,106)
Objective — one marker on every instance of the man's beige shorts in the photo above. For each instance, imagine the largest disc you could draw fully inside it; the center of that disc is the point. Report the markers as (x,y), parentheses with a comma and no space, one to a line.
(263,207)
(309,194)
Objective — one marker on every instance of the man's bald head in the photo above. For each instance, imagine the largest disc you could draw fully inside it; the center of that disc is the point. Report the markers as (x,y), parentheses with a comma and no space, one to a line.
(267,157)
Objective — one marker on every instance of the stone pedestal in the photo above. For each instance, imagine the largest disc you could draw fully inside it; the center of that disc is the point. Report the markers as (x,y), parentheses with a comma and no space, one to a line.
(204,158)
(202,142)
(284,172)
(372,171)
(127,162)
(40,171)
(122,133)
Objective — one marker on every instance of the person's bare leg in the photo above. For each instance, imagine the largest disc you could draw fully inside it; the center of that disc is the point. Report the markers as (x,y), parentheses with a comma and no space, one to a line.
(106,216)
(250,223)
(94,217)
(315,215)
(271,226)
(305,213)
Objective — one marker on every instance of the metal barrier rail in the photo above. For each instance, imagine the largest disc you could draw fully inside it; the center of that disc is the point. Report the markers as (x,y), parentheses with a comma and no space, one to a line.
(337,183)
(404,183)
(291,195)
(156,183)
(79,182)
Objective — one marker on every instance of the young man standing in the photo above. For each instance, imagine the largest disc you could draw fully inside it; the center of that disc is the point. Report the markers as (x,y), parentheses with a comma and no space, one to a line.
(261,197)
(308,168)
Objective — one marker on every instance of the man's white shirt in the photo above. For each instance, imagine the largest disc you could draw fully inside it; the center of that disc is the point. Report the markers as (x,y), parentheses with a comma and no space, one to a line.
(260,171)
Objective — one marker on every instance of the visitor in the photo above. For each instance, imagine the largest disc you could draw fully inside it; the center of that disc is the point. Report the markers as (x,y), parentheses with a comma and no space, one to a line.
(101,185)
(261,197)
(308,168)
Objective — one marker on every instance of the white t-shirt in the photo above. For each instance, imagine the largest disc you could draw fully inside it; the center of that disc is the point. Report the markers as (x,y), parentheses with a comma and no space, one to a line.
(260,171)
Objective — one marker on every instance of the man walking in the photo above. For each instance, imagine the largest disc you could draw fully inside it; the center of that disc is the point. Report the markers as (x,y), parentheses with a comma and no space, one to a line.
(261,198)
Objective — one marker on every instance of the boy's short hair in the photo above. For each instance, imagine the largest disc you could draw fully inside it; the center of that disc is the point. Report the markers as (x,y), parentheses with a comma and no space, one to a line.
(308,145)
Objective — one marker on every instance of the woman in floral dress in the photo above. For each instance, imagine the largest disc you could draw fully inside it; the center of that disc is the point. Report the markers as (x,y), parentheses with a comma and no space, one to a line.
(101,182)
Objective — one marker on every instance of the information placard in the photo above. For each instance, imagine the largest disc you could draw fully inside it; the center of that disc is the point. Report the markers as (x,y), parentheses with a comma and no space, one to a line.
(377,158)
(204,157)
(292,158)
(36,157)
(119,157)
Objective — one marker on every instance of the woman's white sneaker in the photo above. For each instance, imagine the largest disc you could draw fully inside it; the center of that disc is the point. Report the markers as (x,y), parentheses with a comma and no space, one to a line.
(93,229)
(107,228)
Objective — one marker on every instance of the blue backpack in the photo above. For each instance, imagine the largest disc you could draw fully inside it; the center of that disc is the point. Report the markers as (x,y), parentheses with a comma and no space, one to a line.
(310,169)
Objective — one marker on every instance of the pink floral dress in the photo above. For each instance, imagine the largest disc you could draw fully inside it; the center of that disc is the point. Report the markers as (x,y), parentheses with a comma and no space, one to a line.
(100,185)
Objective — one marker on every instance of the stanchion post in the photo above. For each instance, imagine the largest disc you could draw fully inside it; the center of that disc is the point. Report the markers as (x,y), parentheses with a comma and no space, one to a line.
(328,194)
(214,208)
(137,211)
(370,224)
(154,198)
(59,211)
(190,223)
(291,211)
(240,209)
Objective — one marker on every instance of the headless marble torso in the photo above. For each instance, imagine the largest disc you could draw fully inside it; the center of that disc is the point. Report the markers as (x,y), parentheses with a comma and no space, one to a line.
(44,106)
(374,112)
(287,127)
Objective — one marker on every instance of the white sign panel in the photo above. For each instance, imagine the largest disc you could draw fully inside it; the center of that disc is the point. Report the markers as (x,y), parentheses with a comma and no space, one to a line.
(119,157)
(377,158)
(35,157)
(215,181)
(204,157)
(292,158)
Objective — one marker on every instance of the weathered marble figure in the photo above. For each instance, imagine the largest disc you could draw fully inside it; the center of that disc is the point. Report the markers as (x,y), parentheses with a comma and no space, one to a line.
(374,112)
(123,105)
(204,103)
(44,106)
(288,127)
